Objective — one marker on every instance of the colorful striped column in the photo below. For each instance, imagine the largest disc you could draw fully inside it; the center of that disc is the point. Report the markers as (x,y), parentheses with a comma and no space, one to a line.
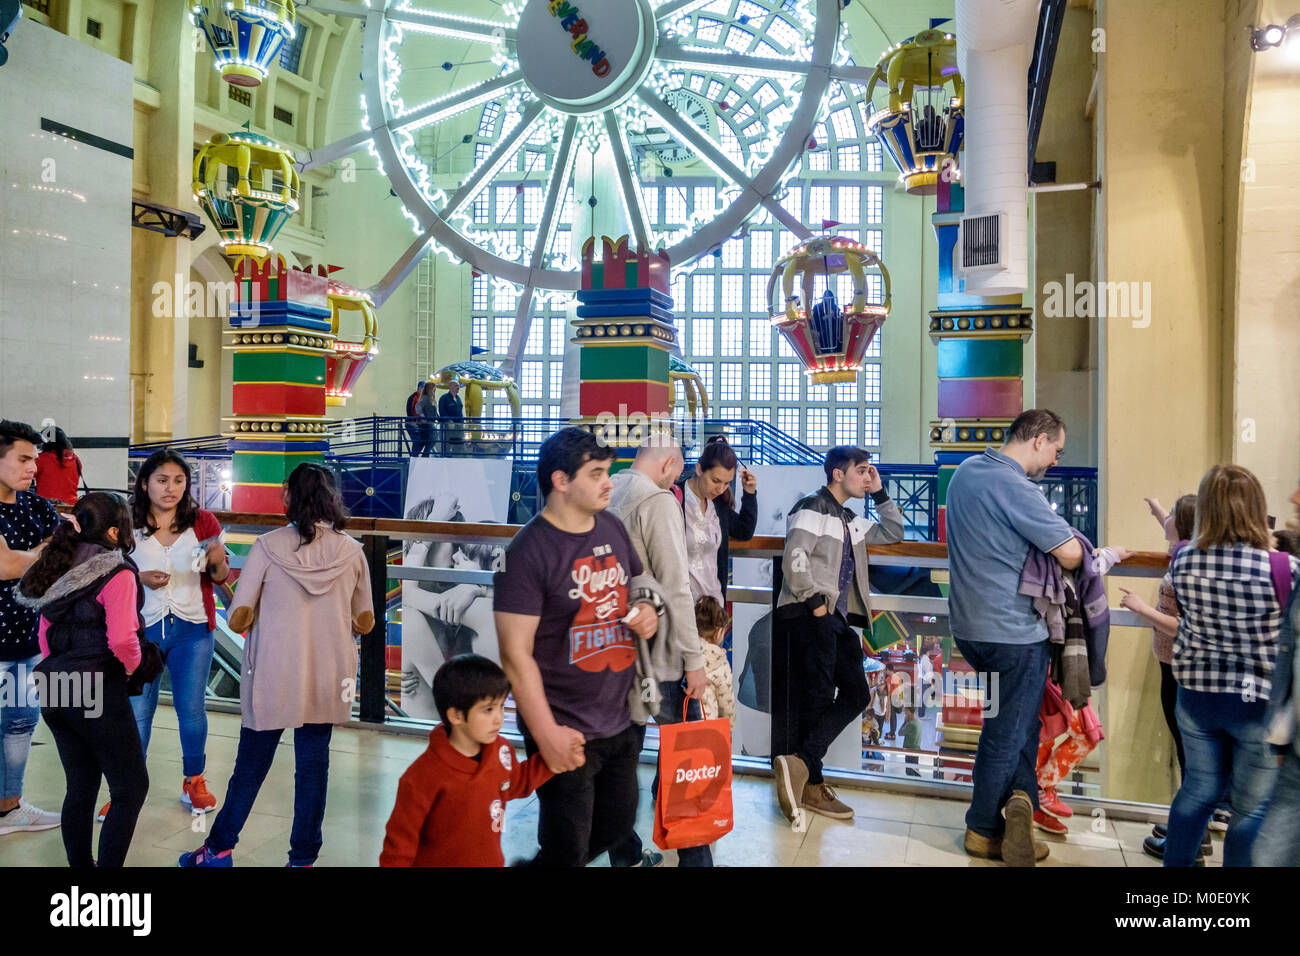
(980,342)
(980,357)
(625,330)
(280,335)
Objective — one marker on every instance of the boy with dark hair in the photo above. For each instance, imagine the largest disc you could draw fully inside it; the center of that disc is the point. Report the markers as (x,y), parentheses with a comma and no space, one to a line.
(451,801)
(824,591)
(569,643)
(26,523)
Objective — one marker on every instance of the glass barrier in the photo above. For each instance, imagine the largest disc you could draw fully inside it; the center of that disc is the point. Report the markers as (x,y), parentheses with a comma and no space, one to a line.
(439,596)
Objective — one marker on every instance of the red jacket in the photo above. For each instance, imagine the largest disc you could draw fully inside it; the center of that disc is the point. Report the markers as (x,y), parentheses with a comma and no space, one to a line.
(57,477)
(450,808)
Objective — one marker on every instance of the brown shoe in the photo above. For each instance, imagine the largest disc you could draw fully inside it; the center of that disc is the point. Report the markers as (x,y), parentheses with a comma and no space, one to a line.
(990,848)
(791,776)
(986,848)
(1018,840)
(820,798)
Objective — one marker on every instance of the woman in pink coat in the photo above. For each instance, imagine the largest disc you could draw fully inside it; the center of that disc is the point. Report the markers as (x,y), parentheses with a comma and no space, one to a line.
(305,590)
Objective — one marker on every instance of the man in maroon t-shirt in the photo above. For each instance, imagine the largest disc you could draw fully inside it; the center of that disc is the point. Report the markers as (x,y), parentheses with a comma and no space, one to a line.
(568,644)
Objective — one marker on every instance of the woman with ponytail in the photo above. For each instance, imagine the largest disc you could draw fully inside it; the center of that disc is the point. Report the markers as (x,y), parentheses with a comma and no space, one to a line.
(89,597)
(711,519)
(305,593)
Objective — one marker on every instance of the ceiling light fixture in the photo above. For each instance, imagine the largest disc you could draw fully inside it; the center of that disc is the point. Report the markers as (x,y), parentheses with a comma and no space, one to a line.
(1272,35)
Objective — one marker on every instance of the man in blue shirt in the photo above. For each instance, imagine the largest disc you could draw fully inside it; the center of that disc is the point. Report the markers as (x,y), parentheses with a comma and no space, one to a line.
(995,514)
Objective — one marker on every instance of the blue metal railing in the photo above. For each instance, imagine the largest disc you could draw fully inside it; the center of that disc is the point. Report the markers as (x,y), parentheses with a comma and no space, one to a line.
(370,456)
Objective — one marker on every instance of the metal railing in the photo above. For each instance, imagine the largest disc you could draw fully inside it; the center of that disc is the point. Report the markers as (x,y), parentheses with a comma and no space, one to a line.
(370,457)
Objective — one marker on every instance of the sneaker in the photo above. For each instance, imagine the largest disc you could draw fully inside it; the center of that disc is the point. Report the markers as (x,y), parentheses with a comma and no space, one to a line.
(1050,803)
(820,798)
(195,795)
(205,857)
(791,776)
(1045,821)
(650,858)
(103,812)
(1160,831)
(990,848)
(1018,840)
(28,817)
(1220,820)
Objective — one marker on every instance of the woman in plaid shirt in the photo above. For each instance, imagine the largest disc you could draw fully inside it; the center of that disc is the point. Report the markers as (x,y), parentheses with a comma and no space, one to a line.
(1223,662)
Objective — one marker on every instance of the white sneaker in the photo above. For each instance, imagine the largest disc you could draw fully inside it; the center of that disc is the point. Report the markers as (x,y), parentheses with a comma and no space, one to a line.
(28,817)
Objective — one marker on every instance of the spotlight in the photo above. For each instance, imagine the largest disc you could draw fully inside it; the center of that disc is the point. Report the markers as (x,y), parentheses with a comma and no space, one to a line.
(1273,35)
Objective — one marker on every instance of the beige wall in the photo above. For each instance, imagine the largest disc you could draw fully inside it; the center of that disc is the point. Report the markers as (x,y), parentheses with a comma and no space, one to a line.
(1159,220)
(1261,420)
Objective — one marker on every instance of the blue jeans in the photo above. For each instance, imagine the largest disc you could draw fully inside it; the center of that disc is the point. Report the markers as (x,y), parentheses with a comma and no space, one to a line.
(1279,837)
(672,695)
(311,753)
(188,649)
(17,722)
(1007,758)
(1223,740)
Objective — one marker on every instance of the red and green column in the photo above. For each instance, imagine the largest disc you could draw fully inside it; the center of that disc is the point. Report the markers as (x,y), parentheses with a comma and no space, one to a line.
(625,333)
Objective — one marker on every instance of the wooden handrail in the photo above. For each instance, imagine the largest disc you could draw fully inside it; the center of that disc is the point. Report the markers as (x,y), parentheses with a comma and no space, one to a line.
(495,533)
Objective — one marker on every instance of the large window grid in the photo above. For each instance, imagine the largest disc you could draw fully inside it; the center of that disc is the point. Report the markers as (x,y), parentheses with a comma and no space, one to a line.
(720,305)
(723,310)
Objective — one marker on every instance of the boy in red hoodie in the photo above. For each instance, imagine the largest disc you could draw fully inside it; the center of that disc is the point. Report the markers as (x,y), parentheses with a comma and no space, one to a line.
(451,801)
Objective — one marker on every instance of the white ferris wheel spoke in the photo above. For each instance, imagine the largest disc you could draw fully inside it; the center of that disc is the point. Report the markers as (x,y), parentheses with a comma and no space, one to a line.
(490,166)
(709,152)
(736,64)
(403,267)
(675,8)
(560,174)
(339,8)
(631,195)
(346,146)
(445,106)
(452,25)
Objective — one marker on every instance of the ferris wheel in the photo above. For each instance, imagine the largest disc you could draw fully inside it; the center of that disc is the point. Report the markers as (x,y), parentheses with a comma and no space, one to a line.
(727,88)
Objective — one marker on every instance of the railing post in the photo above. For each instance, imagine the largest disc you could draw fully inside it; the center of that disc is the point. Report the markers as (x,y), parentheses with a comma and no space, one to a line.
(374,644)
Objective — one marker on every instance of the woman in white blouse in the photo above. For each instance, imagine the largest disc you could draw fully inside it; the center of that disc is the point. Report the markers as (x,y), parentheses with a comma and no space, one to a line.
(179,552)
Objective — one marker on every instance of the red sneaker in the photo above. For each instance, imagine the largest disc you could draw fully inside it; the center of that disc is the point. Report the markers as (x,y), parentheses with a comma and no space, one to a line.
(103,812)
(1049,802)
(195,795)
(1049,823)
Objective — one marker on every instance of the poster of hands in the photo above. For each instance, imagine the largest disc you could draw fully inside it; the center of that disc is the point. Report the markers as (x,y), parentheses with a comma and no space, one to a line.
(779,487)
(441,619)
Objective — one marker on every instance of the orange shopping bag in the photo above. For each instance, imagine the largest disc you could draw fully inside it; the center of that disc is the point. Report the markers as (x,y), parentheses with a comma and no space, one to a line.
(694,804)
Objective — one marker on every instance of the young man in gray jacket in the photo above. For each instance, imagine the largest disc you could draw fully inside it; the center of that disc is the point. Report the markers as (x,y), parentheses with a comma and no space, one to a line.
(824,591)
(643,499)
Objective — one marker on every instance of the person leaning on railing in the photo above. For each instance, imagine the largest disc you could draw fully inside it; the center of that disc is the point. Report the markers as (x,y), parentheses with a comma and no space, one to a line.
(427,412)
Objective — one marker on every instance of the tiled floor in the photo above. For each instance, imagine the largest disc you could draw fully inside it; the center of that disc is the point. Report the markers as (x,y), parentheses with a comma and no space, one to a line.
(889,829)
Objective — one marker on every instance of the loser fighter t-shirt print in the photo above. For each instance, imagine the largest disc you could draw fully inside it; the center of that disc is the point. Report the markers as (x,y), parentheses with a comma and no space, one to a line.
(577,584)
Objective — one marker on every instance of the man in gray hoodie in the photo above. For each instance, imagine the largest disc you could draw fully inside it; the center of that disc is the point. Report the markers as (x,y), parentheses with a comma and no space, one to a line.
(643,499)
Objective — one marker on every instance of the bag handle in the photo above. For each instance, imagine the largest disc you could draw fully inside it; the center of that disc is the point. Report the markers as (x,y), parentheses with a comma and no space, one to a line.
(1280,565)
